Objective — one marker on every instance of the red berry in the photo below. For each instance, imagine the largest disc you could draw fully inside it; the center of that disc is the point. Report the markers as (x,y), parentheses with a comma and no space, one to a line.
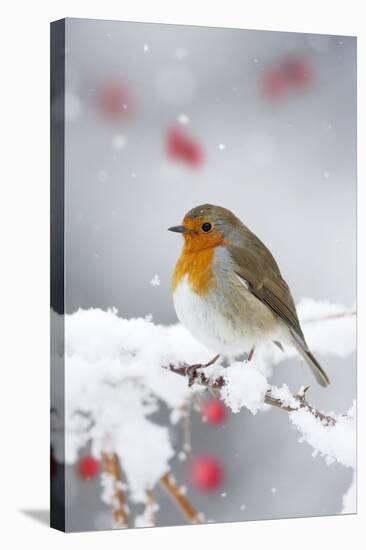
(297,71)
(206,473)
(274,84)
(180,147)
(88,467)
(114,101)
(175,143)
(213,412)
(192,154)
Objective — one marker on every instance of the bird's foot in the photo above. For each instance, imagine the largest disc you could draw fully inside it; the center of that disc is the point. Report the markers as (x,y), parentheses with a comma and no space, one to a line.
(191,370)
(213,360)
(191,373)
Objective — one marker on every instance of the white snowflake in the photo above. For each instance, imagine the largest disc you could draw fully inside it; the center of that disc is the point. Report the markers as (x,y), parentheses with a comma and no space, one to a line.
(155,281)
(183,119)
(119,141)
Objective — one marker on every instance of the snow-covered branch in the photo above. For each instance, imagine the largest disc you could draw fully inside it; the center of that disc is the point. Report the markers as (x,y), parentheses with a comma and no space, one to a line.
(114,382)
(113,490)
(241,385)
(276,397)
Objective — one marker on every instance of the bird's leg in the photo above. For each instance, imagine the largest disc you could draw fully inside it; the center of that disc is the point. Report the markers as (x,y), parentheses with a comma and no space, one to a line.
(250,354)
(212,361)
(191,369)
(279,345)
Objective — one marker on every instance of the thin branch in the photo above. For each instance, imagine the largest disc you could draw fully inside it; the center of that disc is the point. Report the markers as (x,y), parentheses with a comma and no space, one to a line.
(168,483)
(331,316)
(150,507)
(112,468)
(197,376)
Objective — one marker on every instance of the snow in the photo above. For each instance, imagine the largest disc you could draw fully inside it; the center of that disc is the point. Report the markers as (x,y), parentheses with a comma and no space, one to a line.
(130,443)
(244,386)
(155,281)
(108,483)
(144,519)
(183,119)
(114,382)
(285,396)
(335,443)
(119,141)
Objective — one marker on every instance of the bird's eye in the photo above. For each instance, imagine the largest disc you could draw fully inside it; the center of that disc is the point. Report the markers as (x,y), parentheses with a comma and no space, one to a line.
(206,227)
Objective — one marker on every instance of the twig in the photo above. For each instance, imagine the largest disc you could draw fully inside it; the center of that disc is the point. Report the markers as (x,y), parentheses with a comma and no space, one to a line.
(150,507)
(197,376)
(330,317)
(301,403)
(112,468)
(180,500)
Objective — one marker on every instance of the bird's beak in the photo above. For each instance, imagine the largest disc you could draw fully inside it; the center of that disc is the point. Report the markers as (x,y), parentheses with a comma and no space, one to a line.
(178,229)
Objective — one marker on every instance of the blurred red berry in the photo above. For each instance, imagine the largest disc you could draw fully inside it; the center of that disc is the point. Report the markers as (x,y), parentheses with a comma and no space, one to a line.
(175,143)
(180,147)
(193,154)
(213,412)
(205,473)
(114,101)
(297,71)
(274,83)
(88,467)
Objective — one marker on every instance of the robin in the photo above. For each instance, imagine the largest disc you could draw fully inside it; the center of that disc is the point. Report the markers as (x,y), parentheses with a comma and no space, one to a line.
(229,292)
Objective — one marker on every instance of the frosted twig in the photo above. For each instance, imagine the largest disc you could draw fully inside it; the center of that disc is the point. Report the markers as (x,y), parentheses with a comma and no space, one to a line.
(197,376)
(331,316)
(168,483)
(112,467)
(151,506)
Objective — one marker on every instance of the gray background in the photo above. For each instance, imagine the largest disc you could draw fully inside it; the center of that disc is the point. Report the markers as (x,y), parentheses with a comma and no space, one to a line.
(288,171)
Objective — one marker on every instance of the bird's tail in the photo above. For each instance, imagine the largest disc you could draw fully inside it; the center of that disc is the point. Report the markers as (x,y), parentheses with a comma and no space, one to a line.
(319,373)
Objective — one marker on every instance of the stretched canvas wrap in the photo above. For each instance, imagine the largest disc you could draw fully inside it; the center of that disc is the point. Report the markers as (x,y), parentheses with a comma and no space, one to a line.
(190,368)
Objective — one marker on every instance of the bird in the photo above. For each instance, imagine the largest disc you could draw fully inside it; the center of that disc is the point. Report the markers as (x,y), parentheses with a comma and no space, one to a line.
(228,290)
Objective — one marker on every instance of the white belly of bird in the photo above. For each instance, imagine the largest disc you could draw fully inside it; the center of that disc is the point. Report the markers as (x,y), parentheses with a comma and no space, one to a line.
(227,328)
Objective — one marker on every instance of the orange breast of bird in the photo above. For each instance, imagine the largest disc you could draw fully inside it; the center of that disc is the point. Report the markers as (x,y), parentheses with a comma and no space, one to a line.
(197,267)
(196,259)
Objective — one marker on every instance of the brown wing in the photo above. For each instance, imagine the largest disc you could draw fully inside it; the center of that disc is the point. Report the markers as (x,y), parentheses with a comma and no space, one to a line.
(256,265)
